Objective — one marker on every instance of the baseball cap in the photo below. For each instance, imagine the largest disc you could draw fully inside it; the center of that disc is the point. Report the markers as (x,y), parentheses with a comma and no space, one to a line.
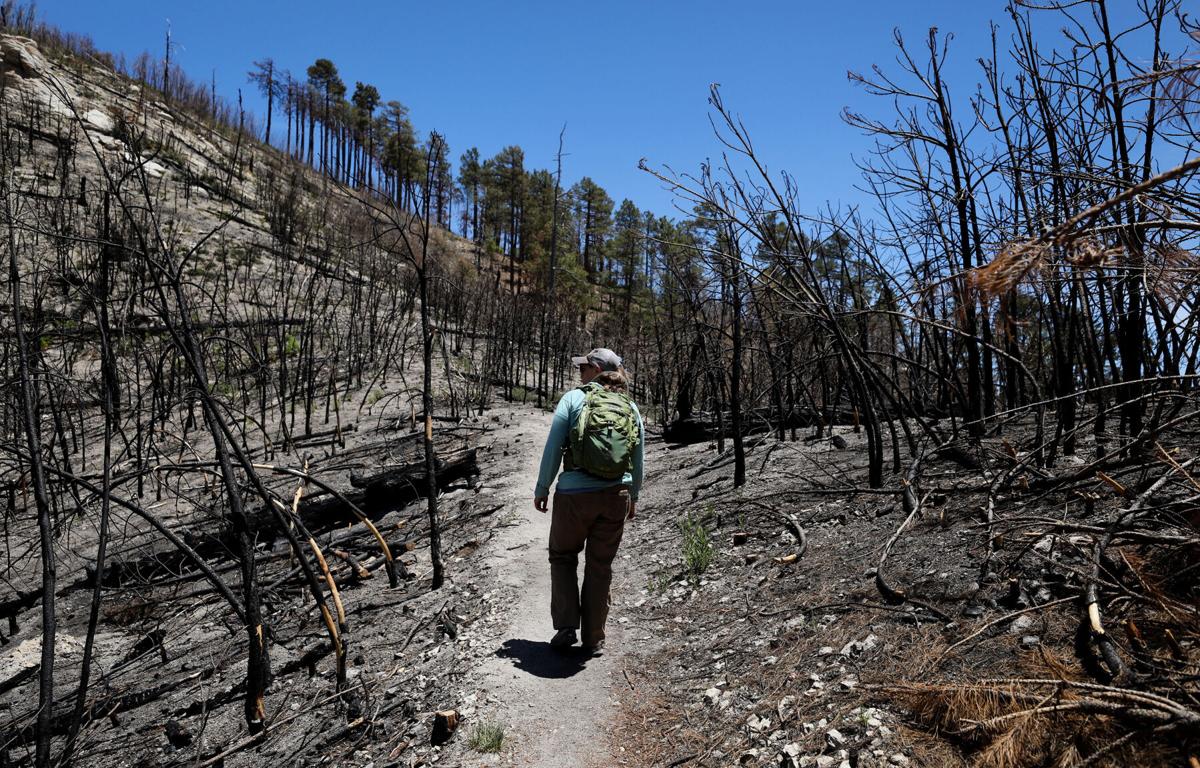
(604,359)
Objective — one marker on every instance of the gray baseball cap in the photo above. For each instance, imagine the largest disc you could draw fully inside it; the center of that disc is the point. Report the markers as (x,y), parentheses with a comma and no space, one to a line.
(604,359)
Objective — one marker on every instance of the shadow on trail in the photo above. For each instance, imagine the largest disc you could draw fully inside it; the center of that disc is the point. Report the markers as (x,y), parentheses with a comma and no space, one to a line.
(539,659)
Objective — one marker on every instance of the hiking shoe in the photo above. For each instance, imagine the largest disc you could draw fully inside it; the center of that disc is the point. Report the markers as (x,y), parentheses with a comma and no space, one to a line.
(594,650)
(563,638)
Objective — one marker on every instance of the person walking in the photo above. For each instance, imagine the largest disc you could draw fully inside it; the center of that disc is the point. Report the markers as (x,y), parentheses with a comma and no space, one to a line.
(597,436)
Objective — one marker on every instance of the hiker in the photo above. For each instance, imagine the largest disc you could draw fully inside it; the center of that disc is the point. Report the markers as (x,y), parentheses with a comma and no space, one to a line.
(596,493)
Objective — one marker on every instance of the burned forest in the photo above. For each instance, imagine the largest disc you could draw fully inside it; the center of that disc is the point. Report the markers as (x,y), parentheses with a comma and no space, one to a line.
(922,481)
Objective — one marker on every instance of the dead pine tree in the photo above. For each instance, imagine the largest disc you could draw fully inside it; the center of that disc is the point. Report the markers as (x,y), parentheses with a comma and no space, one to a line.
(544,348)
(31,421)
(420,261)
(409,236)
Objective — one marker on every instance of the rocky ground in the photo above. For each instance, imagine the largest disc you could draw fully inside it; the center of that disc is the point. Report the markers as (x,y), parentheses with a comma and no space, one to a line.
(762,641)
(765,657)
(169,659)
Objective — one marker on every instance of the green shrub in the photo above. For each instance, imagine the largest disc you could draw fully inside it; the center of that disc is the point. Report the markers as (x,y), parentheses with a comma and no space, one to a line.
(697,546)
(486,737)
(657,584)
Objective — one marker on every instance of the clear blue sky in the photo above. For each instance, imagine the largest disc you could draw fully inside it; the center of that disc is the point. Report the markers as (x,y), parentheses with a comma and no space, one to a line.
(628,78)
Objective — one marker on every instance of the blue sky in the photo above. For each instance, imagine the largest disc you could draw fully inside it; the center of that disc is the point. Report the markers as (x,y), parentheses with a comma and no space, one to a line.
(629,79)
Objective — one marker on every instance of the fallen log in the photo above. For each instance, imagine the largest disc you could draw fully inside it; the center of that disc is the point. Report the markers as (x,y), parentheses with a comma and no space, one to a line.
(702,427)
(106,706)
(399,479)
(19,679)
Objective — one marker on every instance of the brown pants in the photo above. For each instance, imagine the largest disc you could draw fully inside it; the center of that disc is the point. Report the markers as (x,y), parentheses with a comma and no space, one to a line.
(594,520)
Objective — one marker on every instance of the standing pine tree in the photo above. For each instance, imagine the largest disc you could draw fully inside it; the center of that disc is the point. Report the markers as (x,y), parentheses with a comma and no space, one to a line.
(506,196)
(626,252)
(365,100)
(323,77)
(263,75)
(470,178)
(595,219)
(401,159)
(437,154)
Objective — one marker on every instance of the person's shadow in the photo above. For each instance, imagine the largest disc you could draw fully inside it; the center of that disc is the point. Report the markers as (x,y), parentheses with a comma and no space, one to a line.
(539,659)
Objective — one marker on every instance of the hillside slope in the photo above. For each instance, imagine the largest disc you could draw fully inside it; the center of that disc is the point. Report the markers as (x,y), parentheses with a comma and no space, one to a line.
(221,355)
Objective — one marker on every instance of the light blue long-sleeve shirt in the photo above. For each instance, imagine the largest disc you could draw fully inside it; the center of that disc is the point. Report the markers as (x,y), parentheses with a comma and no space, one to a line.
(578,481)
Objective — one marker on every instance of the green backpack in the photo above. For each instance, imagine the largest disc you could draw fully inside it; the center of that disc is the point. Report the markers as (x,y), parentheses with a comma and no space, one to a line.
(604,436)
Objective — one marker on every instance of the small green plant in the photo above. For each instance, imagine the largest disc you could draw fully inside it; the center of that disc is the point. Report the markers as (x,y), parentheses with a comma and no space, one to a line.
(697,546)
(291,345)
(486,737)
(656,584)
(521,393)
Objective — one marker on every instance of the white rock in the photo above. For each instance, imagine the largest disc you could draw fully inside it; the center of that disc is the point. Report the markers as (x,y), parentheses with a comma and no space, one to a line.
(834,738)
(898,759)
(153,169)
(23,55)
(1020,624)
(99,119)
(786,708)
(24,67)
(855,647)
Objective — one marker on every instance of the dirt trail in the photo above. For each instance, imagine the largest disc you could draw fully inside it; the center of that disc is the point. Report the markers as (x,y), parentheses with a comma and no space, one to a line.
(556,708)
